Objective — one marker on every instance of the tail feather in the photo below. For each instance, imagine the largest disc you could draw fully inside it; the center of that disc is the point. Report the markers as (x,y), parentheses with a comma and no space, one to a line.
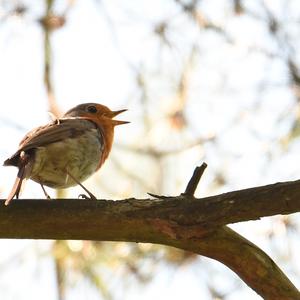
(25,166)
(13,161)
(15,191)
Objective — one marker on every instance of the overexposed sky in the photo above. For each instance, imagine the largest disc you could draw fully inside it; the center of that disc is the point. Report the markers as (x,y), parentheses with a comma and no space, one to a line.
(94,58)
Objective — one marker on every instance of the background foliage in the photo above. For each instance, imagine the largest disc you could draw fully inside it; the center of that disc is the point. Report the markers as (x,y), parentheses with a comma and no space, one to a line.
(214,81)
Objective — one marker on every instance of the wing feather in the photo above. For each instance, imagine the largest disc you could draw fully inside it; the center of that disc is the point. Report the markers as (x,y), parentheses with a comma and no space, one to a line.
(50,133)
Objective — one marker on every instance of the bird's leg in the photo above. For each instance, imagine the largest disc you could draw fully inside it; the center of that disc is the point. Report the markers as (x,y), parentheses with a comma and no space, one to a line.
(45,192)
(92,197)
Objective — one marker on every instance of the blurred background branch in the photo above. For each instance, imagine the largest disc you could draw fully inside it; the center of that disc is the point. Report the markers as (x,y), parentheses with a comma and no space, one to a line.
(203,80)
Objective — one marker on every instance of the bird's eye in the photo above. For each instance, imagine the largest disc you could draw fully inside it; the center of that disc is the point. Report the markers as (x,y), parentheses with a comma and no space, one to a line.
(92,109)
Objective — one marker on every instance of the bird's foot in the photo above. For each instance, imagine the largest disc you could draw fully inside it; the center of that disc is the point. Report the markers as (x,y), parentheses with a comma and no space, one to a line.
(90,197)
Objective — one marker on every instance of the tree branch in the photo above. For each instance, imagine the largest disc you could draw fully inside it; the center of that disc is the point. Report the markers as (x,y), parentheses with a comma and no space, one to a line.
(193,183)
(232,207)
(183,222)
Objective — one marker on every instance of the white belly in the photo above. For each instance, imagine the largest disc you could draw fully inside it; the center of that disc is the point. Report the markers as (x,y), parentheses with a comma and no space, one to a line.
(80,156)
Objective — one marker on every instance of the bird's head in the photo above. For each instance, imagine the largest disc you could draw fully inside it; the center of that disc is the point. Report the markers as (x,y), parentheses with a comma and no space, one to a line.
(98,113)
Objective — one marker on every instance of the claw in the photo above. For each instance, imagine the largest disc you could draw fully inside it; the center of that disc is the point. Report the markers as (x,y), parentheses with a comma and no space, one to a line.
(83,196)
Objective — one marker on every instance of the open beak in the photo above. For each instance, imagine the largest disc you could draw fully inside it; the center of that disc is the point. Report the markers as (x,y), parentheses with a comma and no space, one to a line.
(117,122)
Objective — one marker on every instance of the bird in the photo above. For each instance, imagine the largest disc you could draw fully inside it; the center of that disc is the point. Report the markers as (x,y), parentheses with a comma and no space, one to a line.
(66,151)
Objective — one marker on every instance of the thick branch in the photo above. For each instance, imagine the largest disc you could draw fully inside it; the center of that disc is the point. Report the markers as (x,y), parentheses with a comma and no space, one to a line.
(183,222)
(113,221)
(207,213)
(232,207)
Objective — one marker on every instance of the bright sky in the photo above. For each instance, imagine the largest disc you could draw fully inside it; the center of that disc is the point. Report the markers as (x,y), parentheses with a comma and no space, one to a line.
(89,66)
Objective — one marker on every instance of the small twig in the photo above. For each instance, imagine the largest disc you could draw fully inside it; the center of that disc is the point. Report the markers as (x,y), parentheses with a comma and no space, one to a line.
(193,183)
(159,196)
(191,186)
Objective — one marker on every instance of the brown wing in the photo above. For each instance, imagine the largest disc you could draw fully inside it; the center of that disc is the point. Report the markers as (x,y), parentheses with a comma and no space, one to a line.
(50,133)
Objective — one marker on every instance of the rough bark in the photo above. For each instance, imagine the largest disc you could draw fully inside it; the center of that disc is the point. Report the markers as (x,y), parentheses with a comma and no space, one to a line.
(184,222)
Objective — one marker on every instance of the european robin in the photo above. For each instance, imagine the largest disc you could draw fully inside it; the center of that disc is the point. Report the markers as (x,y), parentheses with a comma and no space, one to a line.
(66,151)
